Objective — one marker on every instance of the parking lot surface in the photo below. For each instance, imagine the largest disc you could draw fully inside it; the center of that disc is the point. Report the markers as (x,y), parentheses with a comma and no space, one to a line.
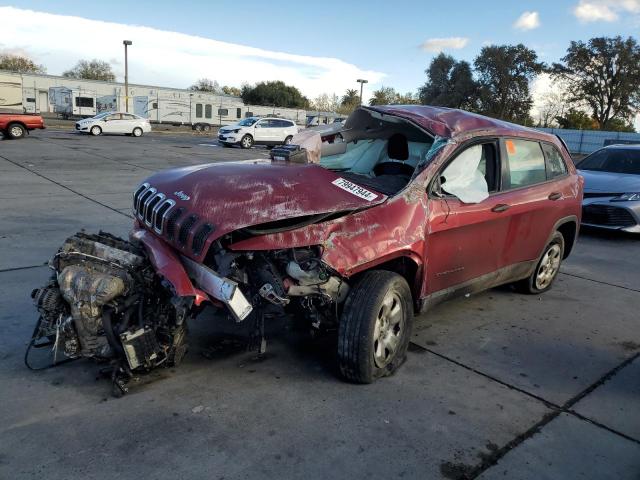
(497,385)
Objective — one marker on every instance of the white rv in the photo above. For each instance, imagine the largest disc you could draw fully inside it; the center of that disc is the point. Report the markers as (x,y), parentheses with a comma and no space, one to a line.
(72,102)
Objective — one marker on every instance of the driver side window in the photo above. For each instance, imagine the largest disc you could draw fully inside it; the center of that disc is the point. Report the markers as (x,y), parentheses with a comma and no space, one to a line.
(473,174)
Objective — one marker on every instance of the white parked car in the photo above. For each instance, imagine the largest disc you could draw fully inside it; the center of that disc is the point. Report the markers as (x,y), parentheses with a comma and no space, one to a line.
(258,131)
(114,122)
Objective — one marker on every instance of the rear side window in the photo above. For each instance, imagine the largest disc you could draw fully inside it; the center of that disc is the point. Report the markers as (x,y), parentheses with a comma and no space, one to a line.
(555,163)
(526,163)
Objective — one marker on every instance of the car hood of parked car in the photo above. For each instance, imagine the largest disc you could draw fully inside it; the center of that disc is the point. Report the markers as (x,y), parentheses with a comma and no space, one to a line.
(609,182)
(236,195)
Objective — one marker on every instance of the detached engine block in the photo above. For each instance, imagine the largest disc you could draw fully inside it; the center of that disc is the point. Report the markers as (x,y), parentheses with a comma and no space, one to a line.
(104,301)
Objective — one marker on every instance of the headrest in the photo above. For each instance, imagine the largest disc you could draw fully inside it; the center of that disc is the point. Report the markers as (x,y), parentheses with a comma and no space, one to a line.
(398,147)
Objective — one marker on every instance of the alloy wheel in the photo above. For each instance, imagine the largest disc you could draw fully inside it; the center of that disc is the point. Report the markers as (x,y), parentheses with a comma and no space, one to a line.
(549,266)
(388,329)
(16,131)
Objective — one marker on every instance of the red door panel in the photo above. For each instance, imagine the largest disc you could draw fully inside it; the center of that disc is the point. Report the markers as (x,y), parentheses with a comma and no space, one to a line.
(464,241)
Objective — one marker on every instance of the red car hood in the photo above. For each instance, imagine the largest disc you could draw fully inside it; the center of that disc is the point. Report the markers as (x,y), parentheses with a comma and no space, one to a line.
(234,195)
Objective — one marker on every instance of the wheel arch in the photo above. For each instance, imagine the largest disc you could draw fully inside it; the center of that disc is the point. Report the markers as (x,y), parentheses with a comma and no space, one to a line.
(406,265)
(17,122)
(568,227)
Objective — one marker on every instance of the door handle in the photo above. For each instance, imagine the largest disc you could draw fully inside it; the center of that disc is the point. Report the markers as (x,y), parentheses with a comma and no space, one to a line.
(501,207)
(555,196)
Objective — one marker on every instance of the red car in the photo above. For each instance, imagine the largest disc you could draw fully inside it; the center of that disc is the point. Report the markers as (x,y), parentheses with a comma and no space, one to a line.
(16,126)
(408,206)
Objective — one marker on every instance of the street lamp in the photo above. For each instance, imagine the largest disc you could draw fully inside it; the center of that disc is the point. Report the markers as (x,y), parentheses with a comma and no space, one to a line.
(126,43)
(361,81)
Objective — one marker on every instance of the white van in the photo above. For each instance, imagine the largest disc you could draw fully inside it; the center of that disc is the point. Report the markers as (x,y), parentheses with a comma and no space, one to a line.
(258,131)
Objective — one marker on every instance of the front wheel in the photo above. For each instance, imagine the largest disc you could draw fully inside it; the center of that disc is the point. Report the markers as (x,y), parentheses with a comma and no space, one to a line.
(247,141)
(375,327)
(16,131)
(547,268)
(95,131)
(137,132)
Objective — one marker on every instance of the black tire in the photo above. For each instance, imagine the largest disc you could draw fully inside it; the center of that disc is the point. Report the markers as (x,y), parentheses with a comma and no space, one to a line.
(137,132)
(198,127)
(287,140)
(16,131)
(206,128)
(546,270)
(247,141)
(362,319)
(95,131)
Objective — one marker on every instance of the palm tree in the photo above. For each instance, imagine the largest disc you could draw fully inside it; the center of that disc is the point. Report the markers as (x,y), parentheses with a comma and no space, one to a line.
(350,97)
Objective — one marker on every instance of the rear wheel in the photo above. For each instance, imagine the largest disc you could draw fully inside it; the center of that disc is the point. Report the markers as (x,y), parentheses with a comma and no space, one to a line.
(137,132)
(547,268)
(247,141)
(206,128)
(95,130)
(16,131)
(374,330)
(198,128)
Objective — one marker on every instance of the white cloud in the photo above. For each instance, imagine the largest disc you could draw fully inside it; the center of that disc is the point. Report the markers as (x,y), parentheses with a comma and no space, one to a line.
(604,10)
(440,44)
(527,21)
(171,59)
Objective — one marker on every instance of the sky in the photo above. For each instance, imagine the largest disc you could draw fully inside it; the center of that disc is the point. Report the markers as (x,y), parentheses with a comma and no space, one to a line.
(320,47)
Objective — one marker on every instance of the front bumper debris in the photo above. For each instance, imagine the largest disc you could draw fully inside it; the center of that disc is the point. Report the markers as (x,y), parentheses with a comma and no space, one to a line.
(220,288)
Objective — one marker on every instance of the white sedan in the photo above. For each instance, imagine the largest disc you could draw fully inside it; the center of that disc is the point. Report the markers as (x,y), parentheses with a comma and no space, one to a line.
(114,122)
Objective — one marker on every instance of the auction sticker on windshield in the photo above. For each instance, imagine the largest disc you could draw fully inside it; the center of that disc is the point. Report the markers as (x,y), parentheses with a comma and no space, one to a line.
(357,190)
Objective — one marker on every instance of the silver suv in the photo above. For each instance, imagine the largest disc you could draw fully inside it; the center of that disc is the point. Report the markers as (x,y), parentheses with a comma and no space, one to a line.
(258,131)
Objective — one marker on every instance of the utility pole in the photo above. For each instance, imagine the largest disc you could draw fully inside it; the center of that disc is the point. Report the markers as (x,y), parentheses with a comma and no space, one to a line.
(361,81)
(126,43)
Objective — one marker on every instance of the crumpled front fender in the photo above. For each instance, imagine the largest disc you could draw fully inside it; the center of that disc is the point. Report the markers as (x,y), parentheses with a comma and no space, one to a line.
(167,264)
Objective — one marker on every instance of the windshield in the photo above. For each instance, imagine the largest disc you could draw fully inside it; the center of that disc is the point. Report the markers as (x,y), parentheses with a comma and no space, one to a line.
(247,122)
(103,114)
(614,160)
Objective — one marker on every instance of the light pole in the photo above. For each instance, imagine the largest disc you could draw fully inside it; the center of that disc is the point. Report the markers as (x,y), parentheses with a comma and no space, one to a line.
(126,43)
(361,81)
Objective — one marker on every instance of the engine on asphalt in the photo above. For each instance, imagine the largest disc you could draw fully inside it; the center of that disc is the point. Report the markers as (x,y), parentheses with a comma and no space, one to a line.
(104,301)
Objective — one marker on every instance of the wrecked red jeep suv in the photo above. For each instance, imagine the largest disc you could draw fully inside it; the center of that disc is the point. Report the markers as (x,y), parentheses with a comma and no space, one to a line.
(402,208)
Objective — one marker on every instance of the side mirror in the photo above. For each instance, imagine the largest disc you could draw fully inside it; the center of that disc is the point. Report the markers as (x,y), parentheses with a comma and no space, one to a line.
(258,125)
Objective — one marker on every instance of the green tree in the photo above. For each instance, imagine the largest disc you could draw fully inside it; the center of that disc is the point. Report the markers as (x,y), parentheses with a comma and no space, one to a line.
(206,85)
(91,70)
(604,74)
(350,97)
(235,91)
(407,99)
(504,73)
(577,119)
(449,83)
(620,125)
(20,64)
(274,93)
(385,96)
